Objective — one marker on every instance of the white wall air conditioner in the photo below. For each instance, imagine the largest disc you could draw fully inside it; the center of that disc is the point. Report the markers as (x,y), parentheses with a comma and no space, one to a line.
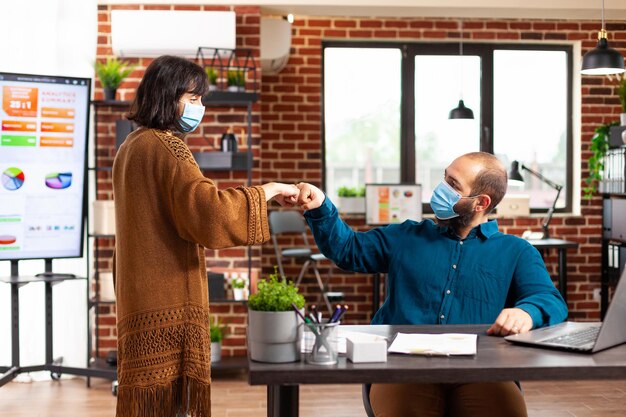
(275,44)
(151,33)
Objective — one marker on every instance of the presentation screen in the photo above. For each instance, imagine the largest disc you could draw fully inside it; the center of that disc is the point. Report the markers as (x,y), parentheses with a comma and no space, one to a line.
(392,203)
(43,150)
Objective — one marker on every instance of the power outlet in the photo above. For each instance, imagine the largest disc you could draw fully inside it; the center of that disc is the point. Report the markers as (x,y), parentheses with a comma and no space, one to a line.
(596,294)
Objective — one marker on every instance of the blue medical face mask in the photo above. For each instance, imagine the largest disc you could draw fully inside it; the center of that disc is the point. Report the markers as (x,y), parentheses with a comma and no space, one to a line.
(191,118)
(444,199)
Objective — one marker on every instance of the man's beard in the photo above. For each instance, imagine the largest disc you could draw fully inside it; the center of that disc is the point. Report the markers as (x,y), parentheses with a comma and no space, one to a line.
(465,210)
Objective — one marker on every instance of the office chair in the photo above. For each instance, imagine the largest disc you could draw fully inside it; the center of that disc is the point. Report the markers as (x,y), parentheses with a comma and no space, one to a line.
(365,391)
(291,222)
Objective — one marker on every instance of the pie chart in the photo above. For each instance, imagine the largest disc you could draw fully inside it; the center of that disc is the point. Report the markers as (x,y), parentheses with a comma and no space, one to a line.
(7,239)
(13,179)
(59,180)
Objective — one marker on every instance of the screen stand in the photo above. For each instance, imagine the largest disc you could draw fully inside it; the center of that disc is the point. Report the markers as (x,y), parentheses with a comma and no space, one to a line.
(15,270)
(48,271)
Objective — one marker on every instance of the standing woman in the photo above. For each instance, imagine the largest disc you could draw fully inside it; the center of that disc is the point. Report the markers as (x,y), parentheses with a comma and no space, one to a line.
(166,213)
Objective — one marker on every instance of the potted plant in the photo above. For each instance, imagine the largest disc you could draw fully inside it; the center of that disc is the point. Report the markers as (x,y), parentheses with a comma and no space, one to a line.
(274,328)
(351,199)
(111,74)
(236,80)
(212,75)
(599,147)
(217,331)
(239,287)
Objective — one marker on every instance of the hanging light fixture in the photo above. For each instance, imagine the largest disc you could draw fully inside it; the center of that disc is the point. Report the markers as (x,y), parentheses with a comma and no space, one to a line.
(460,111)
(602,60)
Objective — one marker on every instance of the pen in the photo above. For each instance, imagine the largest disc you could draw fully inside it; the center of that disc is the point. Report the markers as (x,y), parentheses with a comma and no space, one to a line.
(315,314)
(343,310)
(336,314)
(306,319)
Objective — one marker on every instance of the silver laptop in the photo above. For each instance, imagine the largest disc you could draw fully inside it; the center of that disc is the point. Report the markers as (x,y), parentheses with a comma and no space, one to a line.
(583,337)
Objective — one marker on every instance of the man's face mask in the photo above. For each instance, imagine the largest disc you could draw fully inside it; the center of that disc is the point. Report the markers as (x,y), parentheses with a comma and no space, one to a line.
(191,118)
(444,199)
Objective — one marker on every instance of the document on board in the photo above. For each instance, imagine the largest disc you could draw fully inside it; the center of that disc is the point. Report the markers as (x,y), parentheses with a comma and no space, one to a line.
(446,344)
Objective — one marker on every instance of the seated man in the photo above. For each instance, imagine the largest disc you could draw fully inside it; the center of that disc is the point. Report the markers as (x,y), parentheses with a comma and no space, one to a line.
(459,269)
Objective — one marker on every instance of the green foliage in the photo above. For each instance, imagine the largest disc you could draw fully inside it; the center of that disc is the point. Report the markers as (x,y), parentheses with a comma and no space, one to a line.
(112,72)
(212,74)
(599,147)
(236,78)
(275,295)
(238,282)
(351,192)
(217,330)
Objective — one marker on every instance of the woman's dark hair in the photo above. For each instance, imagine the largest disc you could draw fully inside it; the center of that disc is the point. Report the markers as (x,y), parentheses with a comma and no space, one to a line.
(165,81)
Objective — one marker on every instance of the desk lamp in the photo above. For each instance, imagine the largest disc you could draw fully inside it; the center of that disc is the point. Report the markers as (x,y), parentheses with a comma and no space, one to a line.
(515,175)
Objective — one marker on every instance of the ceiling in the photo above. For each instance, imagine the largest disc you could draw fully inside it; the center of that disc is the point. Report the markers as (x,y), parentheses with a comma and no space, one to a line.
(520,9)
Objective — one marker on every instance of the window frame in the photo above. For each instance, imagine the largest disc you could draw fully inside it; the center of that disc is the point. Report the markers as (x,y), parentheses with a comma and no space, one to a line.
(409,50)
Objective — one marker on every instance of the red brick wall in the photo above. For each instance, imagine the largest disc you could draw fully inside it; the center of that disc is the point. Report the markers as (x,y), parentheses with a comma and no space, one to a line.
(287,142)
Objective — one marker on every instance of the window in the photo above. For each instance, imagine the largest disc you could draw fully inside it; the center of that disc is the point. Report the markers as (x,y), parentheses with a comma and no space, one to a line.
(386,111)
(361,116)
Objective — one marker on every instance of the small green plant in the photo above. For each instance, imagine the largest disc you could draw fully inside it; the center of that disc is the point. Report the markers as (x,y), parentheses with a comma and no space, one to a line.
(217,330)
(275,295)
(236,78)
(238,282)
(113,71)
(211,74)
(351,192)
(599,147)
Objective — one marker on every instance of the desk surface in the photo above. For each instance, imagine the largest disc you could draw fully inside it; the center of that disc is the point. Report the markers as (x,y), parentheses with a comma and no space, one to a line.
(496,359)
(25,279)
(552,244)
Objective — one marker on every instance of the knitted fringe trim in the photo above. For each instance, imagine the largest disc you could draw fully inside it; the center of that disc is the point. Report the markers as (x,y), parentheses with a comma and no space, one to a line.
(185,396)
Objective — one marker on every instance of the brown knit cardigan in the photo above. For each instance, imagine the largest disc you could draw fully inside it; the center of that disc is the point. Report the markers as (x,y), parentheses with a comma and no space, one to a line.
(167,212)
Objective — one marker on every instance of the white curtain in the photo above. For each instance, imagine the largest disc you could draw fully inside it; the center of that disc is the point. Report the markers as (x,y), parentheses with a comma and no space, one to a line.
(48,37)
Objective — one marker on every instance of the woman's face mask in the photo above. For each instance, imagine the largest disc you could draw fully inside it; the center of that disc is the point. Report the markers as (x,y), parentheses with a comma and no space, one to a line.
(444,199)
(191,117)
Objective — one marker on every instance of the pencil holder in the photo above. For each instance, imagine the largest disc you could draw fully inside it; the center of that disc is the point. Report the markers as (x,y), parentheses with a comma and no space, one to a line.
(322,343)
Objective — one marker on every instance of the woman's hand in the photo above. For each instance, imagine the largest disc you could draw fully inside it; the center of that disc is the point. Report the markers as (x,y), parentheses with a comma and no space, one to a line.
(284,194)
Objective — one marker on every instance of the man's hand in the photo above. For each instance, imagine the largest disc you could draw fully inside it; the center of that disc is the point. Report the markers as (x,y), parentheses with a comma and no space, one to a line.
(284,194)
(511,321)
(310,196)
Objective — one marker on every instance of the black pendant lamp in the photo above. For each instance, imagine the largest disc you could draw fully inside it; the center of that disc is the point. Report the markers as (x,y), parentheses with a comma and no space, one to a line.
(460,111)
(602,60)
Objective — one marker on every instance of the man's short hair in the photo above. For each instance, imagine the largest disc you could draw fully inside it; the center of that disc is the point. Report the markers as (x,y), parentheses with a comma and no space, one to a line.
(491,180)
(165,81)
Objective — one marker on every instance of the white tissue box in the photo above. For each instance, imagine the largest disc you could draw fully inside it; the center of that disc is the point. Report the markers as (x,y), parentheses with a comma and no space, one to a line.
(362,348)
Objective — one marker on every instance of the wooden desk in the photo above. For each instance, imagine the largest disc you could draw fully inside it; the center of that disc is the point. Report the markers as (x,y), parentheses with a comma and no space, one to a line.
(541,244)
(562,246)
(496,360)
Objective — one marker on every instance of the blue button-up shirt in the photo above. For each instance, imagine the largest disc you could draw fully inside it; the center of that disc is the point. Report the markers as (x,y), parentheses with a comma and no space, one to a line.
(435,277)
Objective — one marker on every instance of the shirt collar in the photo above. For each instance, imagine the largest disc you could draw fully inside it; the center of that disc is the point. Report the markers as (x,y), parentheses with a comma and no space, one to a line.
(486,230)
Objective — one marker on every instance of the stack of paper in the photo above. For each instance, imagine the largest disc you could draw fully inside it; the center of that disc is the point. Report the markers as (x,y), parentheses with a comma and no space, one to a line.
(445,344)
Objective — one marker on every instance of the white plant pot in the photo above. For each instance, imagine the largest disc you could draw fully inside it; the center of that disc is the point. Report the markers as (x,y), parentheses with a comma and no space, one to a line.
(104,217)
(107,292)
(274,336)
(351,204)
(235,88)
(216,352)
(239,294)
(622,119)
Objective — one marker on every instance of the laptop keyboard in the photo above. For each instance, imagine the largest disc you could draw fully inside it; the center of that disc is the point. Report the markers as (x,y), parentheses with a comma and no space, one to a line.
(575,339)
